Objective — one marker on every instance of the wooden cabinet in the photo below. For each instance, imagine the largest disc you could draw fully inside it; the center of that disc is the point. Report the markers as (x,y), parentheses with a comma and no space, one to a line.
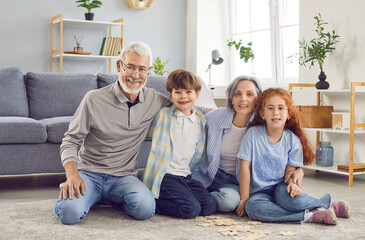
(58,52)
(355,128)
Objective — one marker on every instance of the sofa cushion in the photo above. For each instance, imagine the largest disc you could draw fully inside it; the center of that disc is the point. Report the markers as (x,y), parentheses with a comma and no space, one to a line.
(105,79)
(56,128)
(13,97)
(22,130)
(156,82)
(56,94)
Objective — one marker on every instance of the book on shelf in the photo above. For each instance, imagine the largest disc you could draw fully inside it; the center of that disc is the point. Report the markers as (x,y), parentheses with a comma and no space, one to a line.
(102,46)
(106,47)
(110,46)
(119,41)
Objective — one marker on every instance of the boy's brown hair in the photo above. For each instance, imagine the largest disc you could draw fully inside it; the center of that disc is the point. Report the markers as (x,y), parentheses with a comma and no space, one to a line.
(184,79)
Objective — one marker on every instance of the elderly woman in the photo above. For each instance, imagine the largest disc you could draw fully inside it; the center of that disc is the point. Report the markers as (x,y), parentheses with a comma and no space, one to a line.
(226,129)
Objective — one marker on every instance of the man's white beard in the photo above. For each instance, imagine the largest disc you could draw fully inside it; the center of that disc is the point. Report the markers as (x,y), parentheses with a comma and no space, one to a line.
(128,90)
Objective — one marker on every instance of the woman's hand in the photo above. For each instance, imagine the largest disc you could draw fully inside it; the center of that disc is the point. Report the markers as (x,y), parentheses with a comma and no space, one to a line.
(240,211)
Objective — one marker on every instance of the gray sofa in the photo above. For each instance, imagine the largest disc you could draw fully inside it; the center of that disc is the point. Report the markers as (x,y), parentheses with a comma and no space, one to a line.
(35,111)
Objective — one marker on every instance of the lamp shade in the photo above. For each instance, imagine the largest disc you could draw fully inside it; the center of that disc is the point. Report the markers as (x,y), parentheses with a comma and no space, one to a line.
(216,57)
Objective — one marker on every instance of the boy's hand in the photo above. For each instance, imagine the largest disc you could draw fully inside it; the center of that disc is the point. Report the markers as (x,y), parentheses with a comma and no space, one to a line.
(240,211)
(294,190)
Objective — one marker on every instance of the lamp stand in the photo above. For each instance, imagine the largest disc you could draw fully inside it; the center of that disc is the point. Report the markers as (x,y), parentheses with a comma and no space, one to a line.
(210,75)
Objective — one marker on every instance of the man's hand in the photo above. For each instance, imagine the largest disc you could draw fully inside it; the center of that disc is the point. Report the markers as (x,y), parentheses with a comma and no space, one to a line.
(74,183)
(296,175)
(294,190)
(240,211)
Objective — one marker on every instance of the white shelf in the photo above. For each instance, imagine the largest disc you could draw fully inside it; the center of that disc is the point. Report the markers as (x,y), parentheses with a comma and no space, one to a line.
(85,56)
(313,90)
(332,169)
(59,52)
(85,22)
(331,130)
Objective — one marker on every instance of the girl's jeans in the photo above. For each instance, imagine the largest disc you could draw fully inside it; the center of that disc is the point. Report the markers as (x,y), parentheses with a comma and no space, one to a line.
(276,205)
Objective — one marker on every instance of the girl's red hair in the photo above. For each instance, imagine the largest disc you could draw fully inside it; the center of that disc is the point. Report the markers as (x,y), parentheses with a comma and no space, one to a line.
(291,124)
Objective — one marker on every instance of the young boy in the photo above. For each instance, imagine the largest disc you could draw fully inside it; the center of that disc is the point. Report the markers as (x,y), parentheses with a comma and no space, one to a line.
(178,146)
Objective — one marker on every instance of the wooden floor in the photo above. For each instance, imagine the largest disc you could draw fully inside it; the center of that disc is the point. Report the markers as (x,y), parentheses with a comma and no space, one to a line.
(33,188)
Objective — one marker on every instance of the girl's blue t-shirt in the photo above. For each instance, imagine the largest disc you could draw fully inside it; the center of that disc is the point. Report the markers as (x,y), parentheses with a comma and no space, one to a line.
(269,160)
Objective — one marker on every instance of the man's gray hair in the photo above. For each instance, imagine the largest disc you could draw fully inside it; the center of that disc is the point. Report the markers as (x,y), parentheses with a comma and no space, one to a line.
(232,87)
(139,47)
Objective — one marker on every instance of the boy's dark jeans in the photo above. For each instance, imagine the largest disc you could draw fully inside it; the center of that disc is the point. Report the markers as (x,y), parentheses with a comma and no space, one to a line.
(184,197)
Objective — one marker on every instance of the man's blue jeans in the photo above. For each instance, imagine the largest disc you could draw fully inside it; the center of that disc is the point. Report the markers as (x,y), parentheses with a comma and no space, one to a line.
(127,194)
(225,190)
(276,205)
(184,197)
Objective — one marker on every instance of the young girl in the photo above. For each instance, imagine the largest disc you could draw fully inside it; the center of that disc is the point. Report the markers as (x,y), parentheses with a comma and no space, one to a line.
(275,144)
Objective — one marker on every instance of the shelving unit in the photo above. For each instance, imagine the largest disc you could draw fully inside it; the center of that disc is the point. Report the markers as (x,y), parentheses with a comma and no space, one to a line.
(354,127)
(59,53)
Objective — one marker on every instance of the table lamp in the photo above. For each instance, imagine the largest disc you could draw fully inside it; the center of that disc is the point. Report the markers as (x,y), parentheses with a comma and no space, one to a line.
(216,60)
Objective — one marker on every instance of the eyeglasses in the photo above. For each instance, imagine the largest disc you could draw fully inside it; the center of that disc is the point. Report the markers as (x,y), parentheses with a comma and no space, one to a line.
(280,109)
(131,69)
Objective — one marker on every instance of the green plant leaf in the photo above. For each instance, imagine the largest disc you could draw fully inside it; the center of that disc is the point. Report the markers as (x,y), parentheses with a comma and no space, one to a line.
(159,67)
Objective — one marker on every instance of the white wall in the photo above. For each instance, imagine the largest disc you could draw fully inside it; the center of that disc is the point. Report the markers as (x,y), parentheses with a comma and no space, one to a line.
(348,61)
(207,30)
(25,28)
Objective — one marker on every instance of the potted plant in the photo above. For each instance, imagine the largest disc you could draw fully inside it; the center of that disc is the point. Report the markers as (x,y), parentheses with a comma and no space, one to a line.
(89,5)
(158,66)
(244,51)
(317,49)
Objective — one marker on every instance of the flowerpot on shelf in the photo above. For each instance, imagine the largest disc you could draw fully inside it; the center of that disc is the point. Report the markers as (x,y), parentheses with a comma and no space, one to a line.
(322,83)
(141,4)
(324,154)
(89,16)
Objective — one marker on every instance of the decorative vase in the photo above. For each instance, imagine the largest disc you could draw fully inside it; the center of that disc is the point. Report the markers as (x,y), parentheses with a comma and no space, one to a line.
(322,84)
(89,16)
(324,154)
(78,48)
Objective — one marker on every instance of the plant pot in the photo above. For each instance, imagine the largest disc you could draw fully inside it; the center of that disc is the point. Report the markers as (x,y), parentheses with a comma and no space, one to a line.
(141,4)
(89,16)
(322,84)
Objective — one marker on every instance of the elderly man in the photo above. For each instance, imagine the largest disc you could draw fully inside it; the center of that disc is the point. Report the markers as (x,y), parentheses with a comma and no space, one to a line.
(109,128)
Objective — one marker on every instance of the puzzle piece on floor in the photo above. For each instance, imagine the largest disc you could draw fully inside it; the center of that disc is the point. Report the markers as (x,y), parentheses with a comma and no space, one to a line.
(199,219)
(227,232)
(254,222)
(207,223)
(259,231)
(226,222)
(241,228)
(287,234)
(214,217)
(210,221)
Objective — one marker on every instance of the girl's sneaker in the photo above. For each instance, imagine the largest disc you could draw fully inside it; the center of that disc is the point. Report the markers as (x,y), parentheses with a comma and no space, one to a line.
(326,216)
(341,208)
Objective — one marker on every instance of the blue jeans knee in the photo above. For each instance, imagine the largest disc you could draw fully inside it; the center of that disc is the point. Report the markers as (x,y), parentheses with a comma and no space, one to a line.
(68,211)
(227,199)
(210,206)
